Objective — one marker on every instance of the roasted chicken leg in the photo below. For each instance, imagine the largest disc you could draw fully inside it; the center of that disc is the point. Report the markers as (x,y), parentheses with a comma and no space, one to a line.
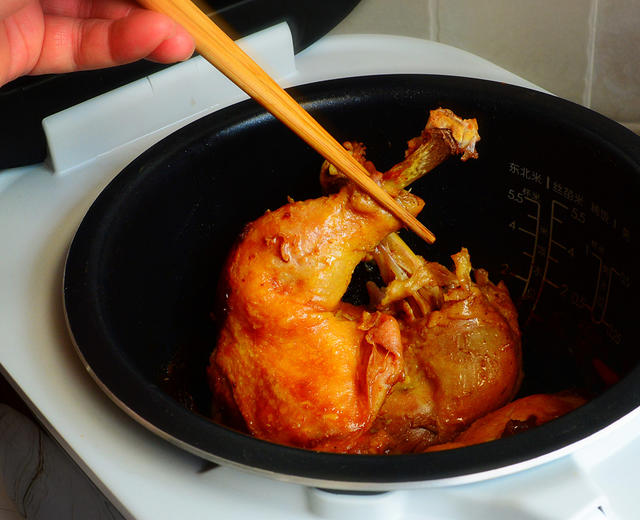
(294,364)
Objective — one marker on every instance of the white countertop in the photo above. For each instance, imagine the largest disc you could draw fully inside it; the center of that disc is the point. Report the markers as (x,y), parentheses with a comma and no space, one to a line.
(143,475)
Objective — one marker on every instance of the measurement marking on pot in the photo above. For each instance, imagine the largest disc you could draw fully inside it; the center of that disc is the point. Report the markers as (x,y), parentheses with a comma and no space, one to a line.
(554,285)
(526,231)
(600,286)
(544,244)
(531,254)
(551,256)
(554,222)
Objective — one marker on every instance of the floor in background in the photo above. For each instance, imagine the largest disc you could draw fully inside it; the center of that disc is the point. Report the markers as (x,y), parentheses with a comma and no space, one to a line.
(8,510)
(38,473)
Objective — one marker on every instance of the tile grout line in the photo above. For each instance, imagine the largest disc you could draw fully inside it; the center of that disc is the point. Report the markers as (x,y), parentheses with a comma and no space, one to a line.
(434,22)
(591,51)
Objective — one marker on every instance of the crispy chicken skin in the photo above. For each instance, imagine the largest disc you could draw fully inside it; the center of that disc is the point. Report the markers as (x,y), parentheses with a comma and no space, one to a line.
(434,351)
(461,360)
(300,365)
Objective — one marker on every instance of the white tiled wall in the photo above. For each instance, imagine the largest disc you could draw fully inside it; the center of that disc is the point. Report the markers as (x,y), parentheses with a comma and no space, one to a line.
(587,51)
(616,67)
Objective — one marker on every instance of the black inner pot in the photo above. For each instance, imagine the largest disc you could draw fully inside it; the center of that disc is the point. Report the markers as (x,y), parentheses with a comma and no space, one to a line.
(550,207)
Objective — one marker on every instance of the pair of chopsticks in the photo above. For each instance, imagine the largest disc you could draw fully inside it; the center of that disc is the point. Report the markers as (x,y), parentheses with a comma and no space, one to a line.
(224,54)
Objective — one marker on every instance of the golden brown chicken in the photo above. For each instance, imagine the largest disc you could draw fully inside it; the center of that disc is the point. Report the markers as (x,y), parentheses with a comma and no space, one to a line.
(294,364)
(461,339)
(518,416)
(461,351)
(300,365)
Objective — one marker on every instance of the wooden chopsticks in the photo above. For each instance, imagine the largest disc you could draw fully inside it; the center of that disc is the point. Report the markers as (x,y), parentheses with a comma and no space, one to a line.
(224,54)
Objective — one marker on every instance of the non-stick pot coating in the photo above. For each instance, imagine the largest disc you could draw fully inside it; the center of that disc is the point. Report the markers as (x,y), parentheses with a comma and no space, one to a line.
(550,207)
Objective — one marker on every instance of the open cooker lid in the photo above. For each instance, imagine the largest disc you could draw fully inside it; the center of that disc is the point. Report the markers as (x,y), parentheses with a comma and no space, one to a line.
(27,100)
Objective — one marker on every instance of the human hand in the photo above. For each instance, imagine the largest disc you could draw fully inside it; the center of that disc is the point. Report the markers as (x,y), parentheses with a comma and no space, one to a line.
(55,36)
